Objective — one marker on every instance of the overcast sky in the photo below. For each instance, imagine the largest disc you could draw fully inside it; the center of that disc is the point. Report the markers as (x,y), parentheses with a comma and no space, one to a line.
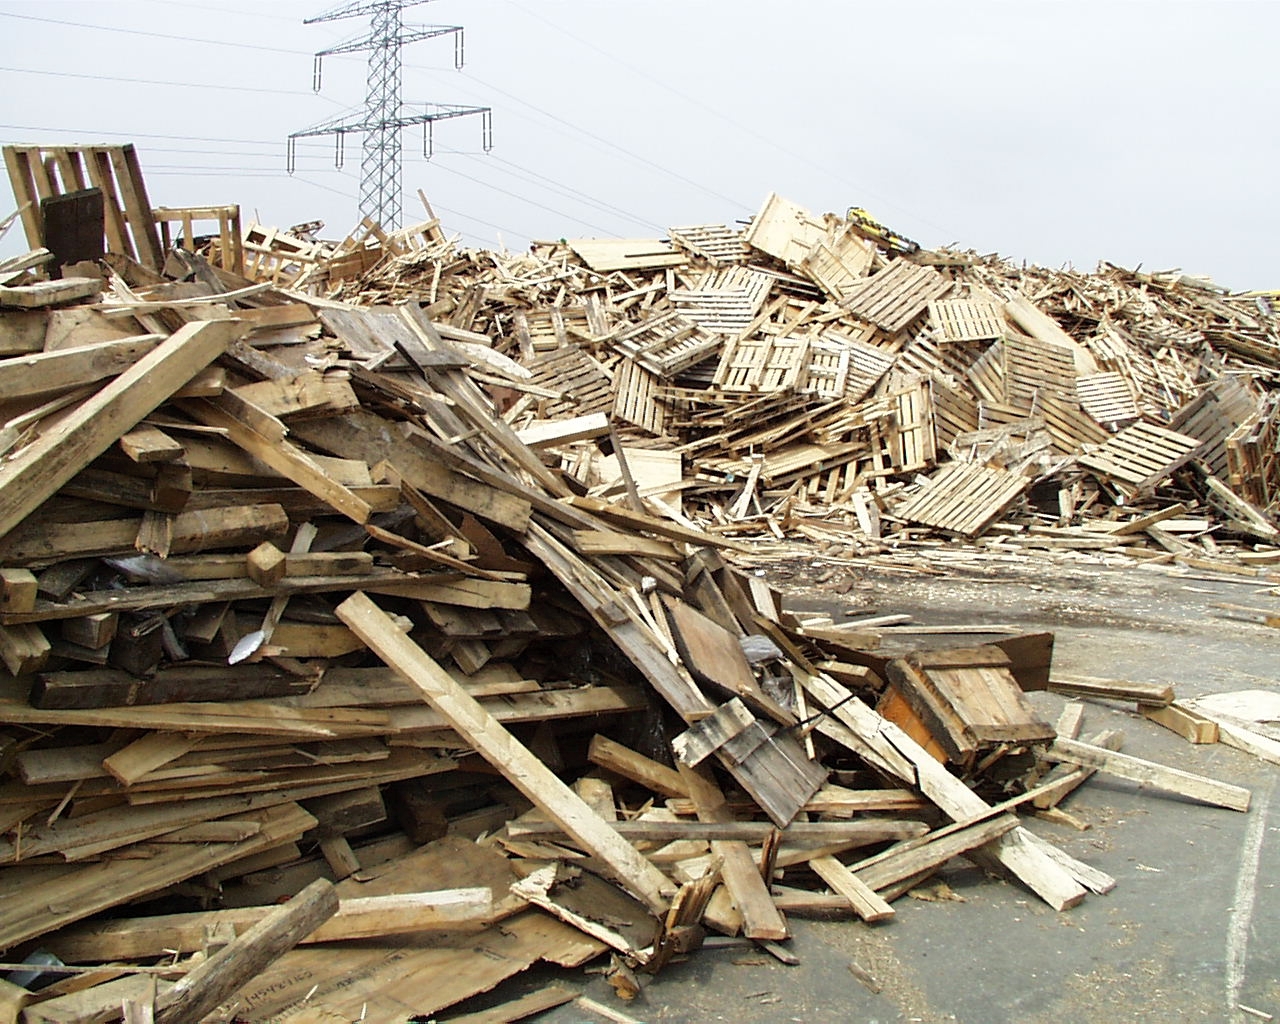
(1052,132)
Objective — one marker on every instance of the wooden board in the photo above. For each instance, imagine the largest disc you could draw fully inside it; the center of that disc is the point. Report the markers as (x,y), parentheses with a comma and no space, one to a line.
(607,254)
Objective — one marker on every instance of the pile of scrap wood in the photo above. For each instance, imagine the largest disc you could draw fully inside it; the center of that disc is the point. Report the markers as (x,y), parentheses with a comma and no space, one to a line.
(815,377)
(284,598)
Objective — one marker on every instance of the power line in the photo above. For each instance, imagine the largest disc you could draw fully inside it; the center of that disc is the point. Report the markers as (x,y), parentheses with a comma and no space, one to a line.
(154,81)
(152,35)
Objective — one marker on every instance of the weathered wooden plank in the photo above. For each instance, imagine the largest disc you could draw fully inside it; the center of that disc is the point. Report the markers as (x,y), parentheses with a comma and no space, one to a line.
(34,473)
(492,741)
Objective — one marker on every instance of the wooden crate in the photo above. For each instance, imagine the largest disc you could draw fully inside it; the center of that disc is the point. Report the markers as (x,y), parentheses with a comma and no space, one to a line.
(967,320)
(964,498)
(969,700)
(896,295)
(1141,456)
(43,172)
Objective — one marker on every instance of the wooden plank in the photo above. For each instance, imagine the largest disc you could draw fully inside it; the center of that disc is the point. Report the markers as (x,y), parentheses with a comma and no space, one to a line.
(199,992)
(34,474)
(866,902)
(70,368)
(1136,769)
(1186,722)
(492,741)
(631,765)
(1156,694)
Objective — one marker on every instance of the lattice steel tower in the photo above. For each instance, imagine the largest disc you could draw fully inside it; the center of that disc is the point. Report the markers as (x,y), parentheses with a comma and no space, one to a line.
(384,112)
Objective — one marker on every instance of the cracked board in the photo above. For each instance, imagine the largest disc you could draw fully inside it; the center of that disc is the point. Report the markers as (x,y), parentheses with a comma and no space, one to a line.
(964,498)
(895,296)
(958,320)
(1107,398)
(1141,456)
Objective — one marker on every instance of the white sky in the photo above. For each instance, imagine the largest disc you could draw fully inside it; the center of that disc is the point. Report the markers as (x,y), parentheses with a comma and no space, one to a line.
(1051,132)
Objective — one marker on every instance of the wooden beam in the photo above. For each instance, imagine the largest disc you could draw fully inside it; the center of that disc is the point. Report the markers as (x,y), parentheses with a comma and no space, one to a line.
(631,765)
(210,983)
(35,472)
(493,742)
(866,902)
(1112,689)
(1136,769)
(69,368)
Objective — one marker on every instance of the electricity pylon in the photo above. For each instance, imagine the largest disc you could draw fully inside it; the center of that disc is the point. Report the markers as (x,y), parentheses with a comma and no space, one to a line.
(384,112)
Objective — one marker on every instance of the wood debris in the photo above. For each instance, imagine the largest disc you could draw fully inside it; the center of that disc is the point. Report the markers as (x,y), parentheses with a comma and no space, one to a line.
(412,568)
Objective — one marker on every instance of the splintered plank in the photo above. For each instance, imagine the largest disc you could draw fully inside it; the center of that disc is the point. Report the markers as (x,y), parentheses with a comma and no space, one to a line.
(34,473)
(1141,455)
(38,898)
(965,498)
(896,295)
(493,742)
(967,319)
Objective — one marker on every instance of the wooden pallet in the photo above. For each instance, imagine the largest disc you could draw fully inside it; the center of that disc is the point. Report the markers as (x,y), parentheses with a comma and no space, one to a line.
(714,242)
(667,343)
(762,364)
(1033,367)
(912,444)
(541,330)
(784,230)
(1068,424)
(986,375)
(896,295)
(867,365)
(229,245)
(1141,456)
(281,258)
(583,383)
(967,319)
(636,397)
(827,374)
(964,498)
(726,301)
(1107,398)
(1253,456)
(954,411)
(1214,415)
(37,173)
(840,266)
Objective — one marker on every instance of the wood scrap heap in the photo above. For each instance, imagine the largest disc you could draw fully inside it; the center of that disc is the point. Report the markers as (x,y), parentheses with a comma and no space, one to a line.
(378,567)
